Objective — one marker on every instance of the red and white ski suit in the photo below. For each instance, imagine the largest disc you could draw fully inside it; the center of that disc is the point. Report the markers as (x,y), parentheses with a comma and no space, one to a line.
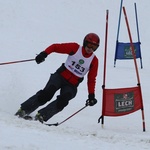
(71,49)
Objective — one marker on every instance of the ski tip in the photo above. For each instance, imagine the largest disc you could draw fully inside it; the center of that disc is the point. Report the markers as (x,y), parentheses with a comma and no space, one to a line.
(54,124)
(28,118)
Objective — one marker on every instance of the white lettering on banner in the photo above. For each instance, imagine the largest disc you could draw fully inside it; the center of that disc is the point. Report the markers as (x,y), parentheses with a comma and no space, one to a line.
(125,103)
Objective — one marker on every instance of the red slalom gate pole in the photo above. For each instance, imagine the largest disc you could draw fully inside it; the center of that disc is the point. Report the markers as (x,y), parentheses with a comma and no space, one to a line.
(18,61)
(131,42)
(134,56)
(104,72)
(105,54)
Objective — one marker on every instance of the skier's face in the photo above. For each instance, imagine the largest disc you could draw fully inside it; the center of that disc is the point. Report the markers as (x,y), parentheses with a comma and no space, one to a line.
(89,50)
(90,47)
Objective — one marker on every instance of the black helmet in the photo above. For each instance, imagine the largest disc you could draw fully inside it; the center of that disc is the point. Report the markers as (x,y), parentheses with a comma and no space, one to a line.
(91,38)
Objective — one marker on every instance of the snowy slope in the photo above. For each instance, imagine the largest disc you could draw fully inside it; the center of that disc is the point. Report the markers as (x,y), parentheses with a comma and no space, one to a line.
(27,28)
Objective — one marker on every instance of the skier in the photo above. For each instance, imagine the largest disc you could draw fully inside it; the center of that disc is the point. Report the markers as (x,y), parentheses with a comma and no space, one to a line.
(67,77)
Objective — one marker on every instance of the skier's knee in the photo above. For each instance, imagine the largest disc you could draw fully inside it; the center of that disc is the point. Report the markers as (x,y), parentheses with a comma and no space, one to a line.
(41,97)
(46,95)
(62,103)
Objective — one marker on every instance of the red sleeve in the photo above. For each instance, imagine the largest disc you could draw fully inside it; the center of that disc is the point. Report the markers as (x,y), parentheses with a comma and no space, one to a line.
(92,74)
(63,48)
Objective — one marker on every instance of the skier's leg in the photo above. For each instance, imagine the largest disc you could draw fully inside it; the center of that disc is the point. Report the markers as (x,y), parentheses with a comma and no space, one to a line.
(42,96)
(66,94)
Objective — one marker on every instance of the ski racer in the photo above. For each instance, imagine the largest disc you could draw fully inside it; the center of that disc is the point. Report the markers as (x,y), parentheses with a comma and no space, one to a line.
(81,61)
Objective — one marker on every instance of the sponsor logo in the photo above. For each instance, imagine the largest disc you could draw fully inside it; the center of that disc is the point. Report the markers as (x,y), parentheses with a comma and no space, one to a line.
(77,72)
(124,102)
(81,61)
(128,51)
(70,67)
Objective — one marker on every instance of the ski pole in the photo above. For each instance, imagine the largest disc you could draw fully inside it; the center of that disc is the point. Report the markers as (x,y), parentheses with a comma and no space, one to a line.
(56,124)
(18,61)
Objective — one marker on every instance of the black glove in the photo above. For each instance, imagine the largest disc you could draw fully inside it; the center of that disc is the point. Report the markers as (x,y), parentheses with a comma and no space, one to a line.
(40,57)
(91,101)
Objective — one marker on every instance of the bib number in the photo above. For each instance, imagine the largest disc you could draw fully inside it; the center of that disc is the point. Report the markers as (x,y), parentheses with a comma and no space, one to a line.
(78,67)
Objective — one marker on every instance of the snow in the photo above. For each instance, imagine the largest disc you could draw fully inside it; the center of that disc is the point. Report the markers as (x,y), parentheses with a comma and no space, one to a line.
(27,28)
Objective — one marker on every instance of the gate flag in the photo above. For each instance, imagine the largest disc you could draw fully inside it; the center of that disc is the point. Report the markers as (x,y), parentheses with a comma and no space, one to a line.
(124,50)
(121,101)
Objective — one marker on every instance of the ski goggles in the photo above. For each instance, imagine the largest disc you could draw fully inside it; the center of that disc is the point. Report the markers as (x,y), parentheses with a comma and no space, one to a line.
(92,46)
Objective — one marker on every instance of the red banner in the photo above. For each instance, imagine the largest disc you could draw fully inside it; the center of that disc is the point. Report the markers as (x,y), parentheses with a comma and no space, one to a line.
(121,101)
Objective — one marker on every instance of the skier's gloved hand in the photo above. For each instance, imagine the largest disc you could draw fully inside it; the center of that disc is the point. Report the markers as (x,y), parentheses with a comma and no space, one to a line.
(40,57)
(91,101)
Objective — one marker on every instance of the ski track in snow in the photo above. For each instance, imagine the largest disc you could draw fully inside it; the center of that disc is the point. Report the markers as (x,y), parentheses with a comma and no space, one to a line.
(42,134)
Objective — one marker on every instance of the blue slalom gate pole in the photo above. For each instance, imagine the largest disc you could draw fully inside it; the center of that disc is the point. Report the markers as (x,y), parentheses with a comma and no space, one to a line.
(137,22)
(119,19)
(118,31)
(136,16)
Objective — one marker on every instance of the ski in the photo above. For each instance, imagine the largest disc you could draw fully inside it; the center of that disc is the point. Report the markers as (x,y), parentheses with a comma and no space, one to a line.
(51,124)
(28,117)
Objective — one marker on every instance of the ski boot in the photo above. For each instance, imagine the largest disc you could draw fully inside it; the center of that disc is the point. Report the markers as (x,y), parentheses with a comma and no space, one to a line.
(20,113)
(39,117)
